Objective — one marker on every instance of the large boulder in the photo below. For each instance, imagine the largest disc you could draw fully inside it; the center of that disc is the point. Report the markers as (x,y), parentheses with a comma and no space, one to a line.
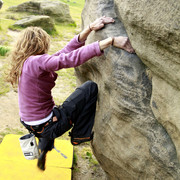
(137,126)
(45,22)
(55,9)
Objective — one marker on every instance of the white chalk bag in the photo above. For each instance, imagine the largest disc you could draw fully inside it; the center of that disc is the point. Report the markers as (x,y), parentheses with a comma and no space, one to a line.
(29,146)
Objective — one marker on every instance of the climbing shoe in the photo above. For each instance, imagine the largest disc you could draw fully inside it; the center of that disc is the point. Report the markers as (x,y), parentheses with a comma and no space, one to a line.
(77,140)
(42,160)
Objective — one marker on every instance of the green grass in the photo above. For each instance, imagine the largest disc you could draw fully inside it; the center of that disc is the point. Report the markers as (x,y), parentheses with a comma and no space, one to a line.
(5,39)
(86,153)
(75,9)
(4,50)
(5,87)
(8,3)
(10,131)
(66,74)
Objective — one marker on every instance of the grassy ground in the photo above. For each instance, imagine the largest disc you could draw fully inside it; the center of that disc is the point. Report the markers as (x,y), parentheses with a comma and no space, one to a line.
(85,165)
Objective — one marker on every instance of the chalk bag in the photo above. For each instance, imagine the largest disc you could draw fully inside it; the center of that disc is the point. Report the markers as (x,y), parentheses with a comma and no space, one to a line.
(29,146)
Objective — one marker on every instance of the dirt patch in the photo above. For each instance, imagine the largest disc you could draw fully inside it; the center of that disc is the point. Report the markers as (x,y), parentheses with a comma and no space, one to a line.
(9,111)
(87,167)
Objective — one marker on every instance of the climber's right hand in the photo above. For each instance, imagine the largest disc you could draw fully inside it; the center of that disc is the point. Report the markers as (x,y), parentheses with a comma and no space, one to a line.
(123,43)
(119,42)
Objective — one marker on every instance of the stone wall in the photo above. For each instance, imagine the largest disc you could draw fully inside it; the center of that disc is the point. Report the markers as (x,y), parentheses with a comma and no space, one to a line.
(137,126)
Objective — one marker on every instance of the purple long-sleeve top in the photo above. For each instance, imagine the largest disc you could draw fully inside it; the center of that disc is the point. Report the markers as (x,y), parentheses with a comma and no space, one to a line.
(38,77)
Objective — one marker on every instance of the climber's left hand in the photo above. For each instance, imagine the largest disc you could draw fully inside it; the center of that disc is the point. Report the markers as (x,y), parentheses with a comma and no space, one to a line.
(100,22)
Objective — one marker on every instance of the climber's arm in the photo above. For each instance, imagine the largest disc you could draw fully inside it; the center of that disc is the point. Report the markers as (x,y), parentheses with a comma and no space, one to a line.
(94,26)
(119,42)
(84,34)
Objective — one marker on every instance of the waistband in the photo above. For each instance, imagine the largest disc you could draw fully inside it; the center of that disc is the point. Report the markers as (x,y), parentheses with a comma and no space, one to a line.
(40,128)
(38,122)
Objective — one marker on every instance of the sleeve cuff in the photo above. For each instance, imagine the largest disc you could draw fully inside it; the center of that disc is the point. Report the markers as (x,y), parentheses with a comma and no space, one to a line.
(77,40)
(98,50)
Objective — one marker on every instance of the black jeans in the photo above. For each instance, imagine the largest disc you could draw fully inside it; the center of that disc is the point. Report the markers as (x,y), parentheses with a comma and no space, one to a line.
(77,111)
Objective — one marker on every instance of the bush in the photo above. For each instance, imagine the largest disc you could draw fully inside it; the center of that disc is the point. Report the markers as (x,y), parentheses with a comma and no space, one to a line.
(3,50)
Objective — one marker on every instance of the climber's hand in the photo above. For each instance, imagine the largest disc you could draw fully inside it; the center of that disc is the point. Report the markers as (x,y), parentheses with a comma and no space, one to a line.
(100,22)
(123,43)
(96,25)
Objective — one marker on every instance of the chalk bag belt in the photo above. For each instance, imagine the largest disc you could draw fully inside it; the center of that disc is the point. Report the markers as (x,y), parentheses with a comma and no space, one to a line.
(40,128)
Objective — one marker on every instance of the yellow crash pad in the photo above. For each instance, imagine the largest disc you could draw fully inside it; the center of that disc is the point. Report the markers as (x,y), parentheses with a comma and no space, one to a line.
(13,164)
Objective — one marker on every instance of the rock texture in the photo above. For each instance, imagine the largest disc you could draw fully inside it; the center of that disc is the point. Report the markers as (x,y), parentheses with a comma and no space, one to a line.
(57,10)
(137,127)
(44,22)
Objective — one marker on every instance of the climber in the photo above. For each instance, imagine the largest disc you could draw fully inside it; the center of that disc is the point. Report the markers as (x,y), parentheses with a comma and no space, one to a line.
(33,70)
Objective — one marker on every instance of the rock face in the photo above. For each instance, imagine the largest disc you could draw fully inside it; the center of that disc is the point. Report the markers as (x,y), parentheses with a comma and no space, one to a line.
(57,10)
(44,22)
(137,126)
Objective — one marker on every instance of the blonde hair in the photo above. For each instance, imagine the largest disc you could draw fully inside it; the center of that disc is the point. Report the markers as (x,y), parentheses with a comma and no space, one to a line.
(32,41)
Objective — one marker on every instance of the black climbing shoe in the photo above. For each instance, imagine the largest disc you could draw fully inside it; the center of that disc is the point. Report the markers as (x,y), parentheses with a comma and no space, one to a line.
(77,140)
(42,160)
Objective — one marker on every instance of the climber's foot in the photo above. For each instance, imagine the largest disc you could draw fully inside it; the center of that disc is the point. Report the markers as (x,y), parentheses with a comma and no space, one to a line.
(77,140)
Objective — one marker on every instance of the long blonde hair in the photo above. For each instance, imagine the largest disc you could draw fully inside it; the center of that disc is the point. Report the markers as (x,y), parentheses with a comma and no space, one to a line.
(32,41)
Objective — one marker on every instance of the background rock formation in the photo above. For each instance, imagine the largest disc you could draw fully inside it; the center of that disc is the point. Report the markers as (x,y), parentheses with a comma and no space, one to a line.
(44,22)
(55,9)
(137,127)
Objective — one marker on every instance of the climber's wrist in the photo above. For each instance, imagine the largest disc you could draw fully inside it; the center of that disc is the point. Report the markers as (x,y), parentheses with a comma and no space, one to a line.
(90,28)
(85,33)
(105,43)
